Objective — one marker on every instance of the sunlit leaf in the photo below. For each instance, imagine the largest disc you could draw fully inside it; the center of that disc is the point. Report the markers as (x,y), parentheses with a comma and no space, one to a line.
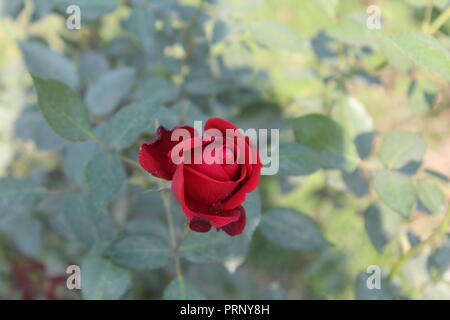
(431,195)
(395,190)
(425,51)
(276,36)
(335,147)
(403,150)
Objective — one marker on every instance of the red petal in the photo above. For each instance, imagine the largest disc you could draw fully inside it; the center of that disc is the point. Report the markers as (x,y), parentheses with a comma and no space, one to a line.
(236,228)
(153,155)
(218,123)
(250,184)
(207,190)
(192,209)
(199,225)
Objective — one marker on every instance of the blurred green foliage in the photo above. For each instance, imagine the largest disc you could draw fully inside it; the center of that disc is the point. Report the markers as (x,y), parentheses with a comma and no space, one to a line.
(364,128)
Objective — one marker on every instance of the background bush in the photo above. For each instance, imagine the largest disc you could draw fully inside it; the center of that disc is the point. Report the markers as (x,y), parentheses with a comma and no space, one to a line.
(364,119)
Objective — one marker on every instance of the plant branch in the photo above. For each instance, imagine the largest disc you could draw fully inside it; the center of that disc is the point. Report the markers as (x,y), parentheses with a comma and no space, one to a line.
(108,148)
(130,161)
(439,231)
(173,239)
(63,190)
(427,18)
(440,21)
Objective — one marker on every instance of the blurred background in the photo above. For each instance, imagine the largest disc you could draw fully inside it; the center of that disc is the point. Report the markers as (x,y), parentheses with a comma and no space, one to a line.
(260,64)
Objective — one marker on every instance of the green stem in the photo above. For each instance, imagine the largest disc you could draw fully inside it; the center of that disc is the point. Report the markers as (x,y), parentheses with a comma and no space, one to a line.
(130,161)
(168,212)
(99,142)
(440,21)
(427,18)
(108,148)
(439,231)
(173,239)
(62,191)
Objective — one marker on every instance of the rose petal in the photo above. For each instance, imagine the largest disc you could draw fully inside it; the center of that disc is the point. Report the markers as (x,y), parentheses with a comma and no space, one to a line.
(199,225)
(250,184)
(218,123)
(237,227)
(192,209)
(207,190)
(153,155)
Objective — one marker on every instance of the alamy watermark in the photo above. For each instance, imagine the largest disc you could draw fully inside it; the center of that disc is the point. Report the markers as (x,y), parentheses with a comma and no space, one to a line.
(213,147)
(373,21)
(74,280)
(73,21)
(374,280)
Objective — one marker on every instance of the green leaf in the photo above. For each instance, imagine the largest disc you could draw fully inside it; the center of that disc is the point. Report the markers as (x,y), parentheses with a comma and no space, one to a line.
(328,6)
(101,278)
(89,224)
(297,160)
(354,118)
(237,56)
(180,289)
(441,4)
(336,148)
(104,176)
(157,88)
(91,65)
(141,25)
(276,36)
(204,86)
(140,251)
(274,293)
(18,195)
(431,195)
(252,206)
(395,190)
(403,150)
(394,55)
(382,225)
(425,51)
(90,9)
(440,259)
(421,96)
(292,229)
(213,246)
(26,231)
(356,182)
(351,29)
(62,109)
(31,125)
(46,63)
(76,159)
(129,122)
(109,90)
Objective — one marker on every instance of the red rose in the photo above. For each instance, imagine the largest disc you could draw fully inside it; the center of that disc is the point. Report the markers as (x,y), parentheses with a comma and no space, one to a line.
(211,175)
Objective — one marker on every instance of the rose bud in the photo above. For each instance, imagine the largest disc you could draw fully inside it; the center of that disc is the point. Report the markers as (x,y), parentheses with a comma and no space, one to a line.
(210,175)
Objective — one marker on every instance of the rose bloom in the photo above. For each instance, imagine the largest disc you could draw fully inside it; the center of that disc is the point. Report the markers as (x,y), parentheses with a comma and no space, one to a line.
(210,175)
